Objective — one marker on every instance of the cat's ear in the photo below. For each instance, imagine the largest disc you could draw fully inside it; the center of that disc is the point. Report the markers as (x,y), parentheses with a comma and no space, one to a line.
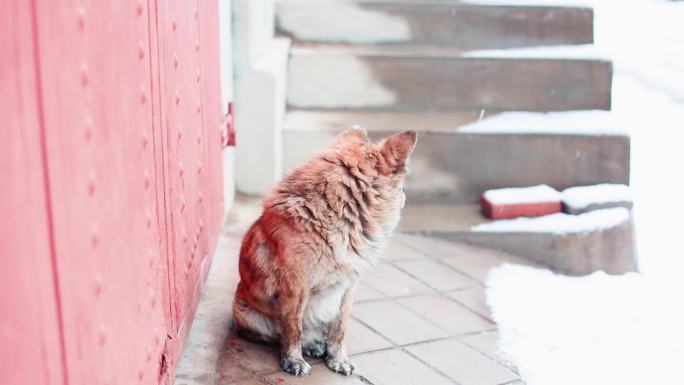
(354,131)
(397,148)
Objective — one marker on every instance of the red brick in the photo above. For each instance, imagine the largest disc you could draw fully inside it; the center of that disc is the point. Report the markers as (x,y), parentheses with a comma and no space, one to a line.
(528,209)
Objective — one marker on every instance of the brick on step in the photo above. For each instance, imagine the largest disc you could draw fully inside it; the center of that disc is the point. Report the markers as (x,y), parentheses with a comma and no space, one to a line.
(509,203)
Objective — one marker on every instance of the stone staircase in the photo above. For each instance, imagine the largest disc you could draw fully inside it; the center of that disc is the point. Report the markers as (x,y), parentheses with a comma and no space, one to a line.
(459,72)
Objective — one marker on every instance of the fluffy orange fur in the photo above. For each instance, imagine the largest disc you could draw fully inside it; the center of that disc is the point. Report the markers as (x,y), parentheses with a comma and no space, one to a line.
(326,222)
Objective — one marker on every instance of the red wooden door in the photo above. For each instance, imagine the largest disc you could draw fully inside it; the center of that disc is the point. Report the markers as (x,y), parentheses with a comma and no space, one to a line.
(192,158)
(113,152)
(29,321)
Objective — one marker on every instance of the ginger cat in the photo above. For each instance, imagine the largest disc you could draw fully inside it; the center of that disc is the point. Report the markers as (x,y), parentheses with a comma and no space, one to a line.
(328,221)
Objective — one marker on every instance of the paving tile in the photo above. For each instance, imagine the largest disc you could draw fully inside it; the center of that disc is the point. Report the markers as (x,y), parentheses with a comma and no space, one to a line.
(393,282)
(361,339)
(435,247)
(487,344)
(396,367)
(320,375)
(398,251)
(478,262)
(462,363)
(242,359)
(447,314)
(436,275)
(366,293)
(246,381)
(474,299)
(416,319)
(396,323)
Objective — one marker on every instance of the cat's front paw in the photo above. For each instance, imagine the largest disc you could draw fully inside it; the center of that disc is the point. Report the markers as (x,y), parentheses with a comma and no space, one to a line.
(345,367)
(295,366)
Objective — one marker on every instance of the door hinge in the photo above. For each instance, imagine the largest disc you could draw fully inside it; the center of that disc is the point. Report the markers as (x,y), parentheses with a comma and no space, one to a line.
(228,128)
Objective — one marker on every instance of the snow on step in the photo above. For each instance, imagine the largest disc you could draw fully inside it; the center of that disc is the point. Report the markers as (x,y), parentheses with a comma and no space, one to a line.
(570,52)
(517,195)
(592,122)
(531,3)
(329,21)
(581,199)
(524,201)
(559,223)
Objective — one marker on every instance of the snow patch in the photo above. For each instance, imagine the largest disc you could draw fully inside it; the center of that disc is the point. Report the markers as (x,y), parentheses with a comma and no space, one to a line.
(341,22)
(652,53)
(326,81)
(592,330)
(560,223)
(592,122)
(520,195)
(584,196)
(527,3)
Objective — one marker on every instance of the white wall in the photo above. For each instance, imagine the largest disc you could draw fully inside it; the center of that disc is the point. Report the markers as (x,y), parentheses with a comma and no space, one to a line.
(260,63)
(226,57)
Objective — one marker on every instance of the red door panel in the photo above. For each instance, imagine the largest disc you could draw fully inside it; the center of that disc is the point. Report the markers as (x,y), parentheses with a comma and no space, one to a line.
(30,348)
(190,118)
(96,81)
(211,116)
(112,200)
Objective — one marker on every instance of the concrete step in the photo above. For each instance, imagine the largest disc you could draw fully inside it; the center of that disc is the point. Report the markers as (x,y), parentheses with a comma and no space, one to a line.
(448,23)
(448,79)
(594,245)
(459,156)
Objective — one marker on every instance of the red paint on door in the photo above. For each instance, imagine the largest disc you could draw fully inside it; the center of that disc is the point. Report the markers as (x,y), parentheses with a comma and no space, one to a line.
(114,199)
(30,347)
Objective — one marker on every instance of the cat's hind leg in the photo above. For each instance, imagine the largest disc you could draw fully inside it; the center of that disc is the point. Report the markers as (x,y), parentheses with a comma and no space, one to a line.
(253,325)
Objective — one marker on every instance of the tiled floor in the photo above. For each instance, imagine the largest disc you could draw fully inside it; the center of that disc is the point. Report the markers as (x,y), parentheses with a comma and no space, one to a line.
(419,318)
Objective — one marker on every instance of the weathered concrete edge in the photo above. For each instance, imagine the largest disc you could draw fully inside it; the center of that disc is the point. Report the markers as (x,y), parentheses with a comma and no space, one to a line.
(412,13)
(611,250)
(434,147)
